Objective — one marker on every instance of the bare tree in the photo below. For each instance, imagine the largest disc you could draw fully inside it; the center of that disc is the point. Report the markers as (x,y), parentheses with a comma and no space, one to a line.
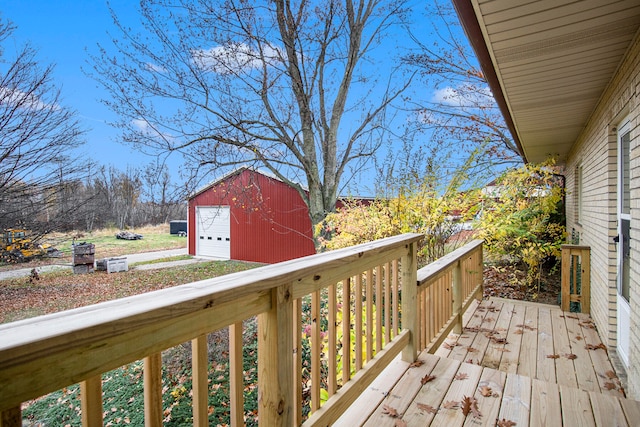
(462,112)
(37,137)
(290,86)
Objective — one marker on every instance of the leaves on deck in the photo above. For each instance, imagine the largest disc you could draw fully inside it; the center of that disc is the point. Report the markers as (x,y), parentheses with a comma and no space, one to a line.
(417,364)
(427,408)
(596,347)
(553,356)
(571,356)
(451,404)
(470,406)
(610,374)
(427,378)
(471,349)
(505,423)
(461,376)
(390,411)
(400,423)
(486,391)
(610,386)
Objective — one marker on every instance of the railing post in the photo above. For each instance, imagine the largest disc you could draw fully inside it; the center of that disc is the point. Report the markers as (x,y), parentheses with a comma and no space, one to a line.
(153,390)
(236,377)
(11,417)
(91,401)
(409,269)
(275,361)
(569,277)
(200,381)
(457,297)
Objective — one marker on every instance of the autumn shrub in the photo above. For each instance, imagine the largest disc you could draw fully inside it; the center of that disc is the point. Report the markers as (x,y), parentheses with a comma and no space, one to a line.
(522,217)
(436,216)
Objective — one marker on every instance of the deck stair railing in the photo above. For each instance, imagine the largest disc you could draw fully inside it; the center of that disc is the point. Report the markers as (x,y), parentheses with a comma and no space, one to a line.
(353,309)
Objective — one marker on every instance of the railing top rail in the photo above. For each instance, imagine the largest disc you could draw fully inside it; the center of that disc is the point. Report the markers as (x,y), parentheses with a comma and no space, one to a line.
(439,266)
(112,316)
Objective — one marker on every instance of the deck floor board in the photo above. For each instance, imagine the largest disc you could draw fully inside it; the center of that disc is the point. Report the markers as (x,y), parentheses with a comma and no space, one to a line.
(576,386)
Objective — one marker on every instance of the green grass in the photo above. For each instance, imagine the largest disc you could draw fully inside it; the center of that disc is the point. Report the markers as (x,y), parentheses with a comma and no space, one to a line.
(155,238)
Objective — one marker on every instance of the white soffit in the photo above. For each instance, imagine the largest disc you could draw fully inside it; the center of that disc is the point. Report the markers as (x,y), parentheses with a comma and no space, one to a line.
(553,60)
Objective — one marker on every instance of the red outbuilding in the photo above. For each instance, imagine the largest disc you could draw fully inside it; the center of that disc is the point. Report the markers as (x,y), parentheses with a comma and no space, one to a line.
(249,216)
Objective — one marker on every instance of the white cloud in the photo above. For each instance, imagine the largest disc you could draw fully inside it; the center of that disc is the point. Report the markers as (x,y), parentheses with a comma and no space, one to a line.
(148,130)
(234,57)
(155,68)
(19,99)
(462,96)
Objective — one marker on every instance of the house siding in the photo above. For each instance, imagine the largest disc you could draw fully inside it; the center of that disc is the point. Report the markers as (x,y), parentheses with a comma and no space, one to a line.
(596,152)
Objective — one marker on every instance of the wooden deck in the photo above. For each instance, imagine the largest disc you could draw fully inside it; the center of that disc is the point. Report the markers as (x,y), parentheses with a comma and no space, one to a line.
(528,364)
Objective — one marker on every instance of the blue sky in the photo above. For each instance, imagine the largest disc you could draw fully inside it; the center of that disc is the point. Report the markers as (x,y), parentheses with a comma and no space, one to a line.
(62,31)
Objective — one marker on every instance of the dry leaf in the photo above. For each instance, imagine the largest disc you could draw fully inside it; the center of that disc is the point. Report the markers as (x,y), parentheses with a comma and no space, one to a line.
(417,364)
(400,423)
(578,337)
(553,356)
(505,423)
(499,340)
(471,349)
(611,374)
(486,391)
(448,346)
(502,349)
(461,376)
(427,408)
(427,378)
(451,404)
(571,356)
(488,319)
(518,332)
(610,386)
(388,410)
(596,347)
(470,406)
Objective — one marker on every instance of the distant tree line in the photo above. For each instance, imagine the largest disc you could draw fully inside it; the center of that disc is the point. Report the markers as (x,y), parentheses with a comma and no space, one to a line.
(106,197)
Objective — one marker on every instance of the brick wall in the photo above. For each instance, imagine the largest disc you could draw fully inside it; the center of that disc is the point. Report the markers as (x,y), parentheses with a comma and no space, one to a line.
(596,152)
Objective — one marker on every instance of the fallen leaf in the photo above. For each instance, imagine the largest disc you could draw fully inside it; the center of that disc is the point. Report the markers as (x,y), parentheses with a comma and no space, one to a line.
(470,406)
(499,340)
(596,347)
(400,423)
(578,337)
(388,410)
(451,404)
(427,378)
(417,364)
(571,356)
(461,376)
(505,423)
(427,408)
(471,349)
(553,356)
(611,374)
(448,346)
(518,332)
(610,386)
(486,391)
(502,349)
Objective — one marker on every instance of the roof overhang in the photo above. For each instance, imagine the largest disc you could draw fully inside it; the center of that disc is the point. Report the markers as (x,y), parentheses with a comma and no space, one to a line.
(548,63)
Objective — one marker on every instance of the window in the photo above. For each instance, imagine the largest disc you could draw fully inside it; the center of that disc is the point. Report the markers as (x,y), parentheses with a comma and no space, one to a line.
(579,194)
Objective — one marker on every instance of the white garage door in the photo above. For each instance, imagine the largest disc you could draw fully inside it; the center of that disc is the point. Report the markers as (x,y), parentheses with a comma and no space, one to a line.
(213,234)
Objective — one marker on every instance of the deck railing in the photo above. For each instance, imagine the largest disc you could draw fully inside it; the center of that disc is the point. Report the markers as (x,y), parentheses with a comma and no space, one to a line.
(576,277)
(355,308)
